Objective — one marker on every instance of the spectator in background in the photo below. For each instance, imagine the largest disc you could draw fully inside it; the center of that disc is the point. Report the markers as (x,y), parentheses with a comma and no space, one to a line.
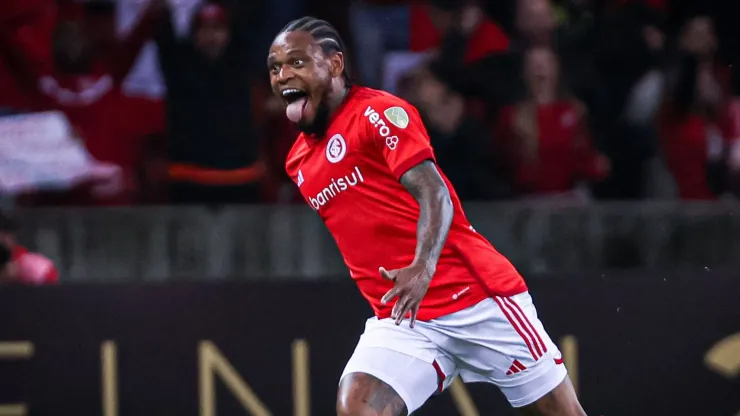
(86,86)
(382,26)
(544,140)
(628,49)
(697,127)
(213,147)
(26,28)
(472,56)
(378,26)
(535,24)
(25,267)
(461,142)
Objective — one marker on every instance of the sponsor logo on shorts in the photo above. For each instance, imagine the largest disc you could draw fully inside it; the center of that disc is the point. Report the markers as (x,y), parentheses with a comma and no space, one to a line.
(335,187)
(391,141)
(516,367)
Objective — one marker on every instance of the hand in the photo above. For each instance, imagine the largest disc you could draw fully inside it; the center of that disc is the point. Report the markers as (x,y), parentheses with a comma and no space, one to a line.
(470,18)
(411,284)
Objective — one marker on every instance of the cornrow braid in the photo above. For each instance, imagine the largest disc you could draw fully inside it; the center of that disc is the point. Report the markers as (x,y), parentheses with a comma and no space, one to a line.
(323,33)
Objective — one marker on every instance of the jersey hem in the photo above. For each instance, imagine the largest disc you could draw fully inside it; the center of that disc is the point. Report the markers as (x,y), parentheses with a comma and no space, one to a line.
(473,298)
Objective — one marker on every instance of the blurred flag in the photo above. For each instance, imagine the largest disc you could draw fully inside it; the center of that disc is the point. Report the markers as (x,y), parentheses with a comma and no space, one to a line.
(39,152)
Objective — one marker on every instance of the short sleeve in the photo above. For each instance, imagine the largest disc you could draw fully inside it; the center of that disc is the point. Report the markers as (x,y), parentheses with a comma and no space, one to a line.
(398,132)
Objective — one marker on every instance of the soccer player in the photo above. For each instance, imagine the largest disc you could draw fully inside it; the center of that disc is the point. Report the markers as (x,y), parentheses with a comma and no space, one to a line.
(446,302)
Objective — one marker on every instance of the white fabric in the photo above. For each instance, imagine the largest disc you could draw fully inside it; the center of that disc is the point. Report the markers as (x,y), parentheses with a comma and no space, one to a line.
(480,344)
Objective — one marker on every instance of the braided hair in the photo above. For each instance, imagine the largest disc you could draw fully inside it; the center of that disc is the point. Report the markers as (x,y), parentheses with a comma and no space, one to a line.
(323,33)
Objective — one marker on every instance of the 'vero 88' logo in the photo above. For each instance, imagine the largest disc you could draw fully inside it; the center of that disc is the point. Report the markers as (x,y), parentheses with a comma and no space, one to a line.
(391,142)
(397,116)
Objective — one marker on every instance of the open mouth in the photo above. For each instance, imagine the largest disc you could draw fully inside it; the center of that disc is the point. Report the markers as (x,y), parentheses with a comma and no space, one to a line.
(292,95)
(296,101)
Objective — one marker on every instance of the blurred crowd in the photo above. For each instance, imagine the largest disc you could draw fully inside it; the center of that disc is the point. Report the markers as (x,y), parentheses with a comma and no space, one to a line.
(571,99)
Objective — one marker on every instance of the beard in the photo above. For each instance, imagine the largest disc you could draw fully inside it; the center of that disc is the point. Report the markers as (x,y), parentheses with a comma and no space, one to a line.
(320,122)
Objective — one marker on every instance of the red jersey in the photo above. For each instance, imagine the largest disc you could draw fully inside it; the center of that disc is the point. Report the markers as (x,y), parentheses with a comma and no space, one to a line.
(350,177)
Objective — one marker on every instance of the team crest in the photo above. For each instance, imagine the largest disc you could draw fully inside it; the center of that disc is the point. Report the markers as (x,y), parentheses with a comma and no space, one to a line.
(336,148)
(397,116)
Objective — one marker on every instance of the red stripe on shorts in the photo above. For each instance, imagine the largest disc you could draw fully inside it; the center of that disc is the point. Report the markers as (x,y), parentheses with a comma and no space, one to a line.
(505,310)
(531,327)
(441,377)
(519,365)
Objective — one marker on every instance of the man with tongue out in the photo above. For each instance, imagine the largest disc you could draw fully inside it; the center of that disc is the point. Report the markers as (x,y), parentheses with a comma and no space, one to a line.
(446,303)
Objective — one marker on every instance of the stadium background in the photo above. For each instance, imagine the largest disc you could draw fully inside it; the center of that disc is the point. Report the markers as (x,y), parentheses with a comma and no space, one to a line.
(594,142)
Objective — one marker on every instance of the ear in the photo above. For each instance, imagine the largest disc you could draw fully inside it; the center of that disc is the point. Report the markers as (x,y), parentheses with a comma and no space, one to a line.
(337,64)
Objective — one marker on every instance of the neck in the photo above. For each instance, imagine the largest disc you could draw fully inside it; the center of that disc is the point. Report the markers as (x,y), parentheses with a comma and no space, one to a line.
(331,103)
(543,97)
(336,97)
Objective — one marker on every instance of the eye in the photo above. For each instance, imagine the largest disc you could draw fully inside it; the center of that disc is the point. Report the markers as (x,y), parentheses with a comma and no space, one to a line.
(274,68)
(298,62)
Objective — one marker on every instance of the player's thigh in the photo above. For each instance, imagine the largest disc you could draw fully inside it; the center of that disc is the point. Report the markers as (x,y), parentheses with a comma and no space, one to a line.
(391,364)
(561,401)
(502,341)
(361,394)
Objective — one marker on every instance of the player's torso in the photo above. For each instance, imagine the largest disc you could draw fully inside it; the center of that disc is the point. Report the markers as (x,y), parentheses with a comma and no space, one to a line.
(341,177)
(373,218)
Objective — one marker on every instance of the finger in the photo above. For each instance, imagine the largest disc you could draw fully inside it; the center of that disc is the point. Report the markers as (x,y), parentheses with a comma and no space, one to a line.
(414,311)
(401,303)
(403,310)
(390,295)
(390,275)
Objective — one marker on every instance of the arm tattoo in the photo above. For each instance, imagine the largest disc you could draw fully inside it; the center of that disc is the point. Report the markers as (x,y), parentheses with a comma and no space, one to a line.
(424,182)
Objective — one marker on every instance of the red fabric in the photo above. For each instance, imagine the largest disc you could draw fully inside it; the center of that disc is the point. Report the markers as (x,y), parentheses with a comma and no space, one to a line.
(33,268)
(111,124)
(487,38)
(350,177)
(14,9)
(685,148)
(564,152)
(685,142)
(26,28)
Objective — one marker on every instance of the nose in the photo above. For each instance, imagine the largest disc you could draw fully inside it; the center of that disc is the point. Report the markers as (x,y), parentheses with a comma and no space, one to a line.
(285,74)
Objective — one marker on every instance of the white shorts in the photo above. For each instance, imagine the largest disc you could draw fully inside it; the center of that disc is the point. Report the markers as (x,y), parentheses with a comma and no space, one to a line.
(499,341)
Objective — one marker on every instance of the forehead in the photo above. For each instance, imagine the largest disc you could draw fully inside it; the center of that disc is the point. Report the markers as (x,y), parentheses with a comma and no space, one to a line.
(298,41)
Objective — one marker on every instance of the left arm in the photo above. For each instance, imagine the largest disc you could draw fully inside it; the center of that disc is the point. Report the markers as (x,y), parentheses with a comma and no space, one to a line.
(429,190)
(405,149)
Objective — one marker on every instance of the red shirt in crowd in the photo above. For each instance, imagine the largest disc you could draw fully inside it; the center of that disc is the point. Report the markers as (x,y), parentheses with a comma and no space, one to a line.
(487,38)
(351,176)
(689,140)
(33,268)
(687,144)
(561,153)
(111,124)
(26,28)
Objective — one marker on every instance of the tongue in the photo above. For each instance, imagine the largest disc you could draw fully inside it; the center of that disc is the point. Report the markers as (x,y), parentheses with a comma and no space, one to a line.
(294,111)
